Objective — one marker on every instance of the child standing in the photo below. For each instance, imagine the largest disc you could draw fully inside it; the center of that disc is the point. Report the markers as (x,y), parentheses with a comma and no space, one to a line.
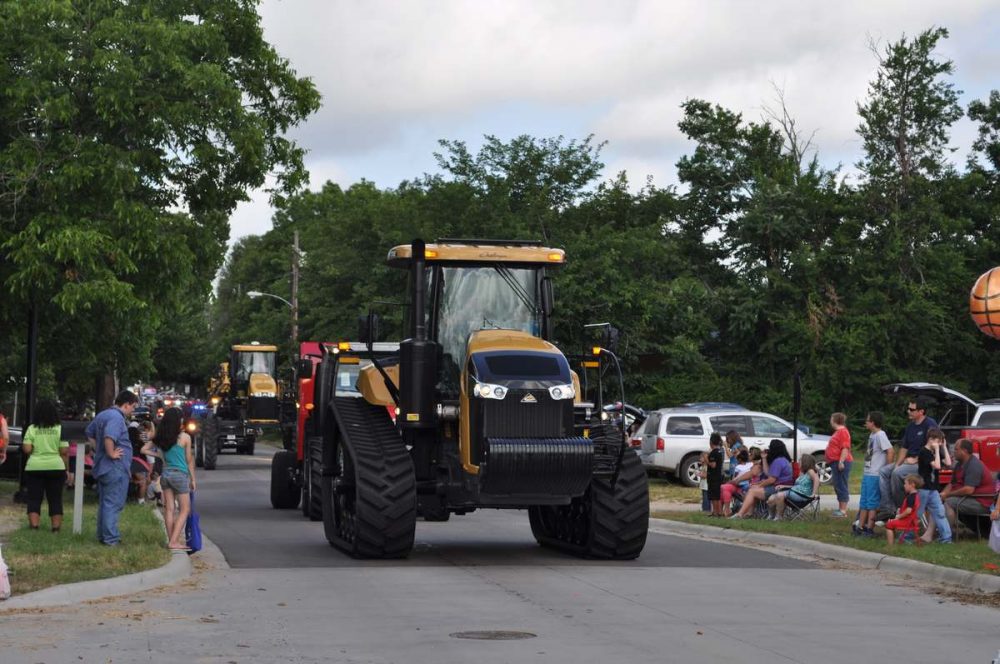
(706,504)
(906,517)
(879,453)
(928,465)
(838,456)
(715,461)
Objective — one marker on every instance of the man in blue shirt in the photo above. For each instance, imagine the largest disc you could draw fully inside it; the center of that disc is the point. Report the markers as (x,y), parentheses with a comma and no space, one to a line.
(108,435)
(914,437)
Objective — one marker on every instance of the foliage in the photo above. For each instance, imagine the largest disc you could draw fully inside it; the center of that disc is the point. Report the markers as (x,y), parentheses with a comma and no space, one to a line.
(766,262)
(128,134)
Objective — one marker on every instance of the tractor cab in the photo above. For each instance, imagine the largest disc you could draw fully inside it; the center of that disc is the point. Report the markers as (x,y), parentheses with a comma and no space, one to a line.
(253,380)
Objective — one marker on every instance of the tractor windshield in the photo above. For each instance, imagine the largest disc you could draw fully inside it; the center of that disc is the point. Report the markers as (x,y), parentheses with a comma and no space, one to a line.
(254,363)
(495,297)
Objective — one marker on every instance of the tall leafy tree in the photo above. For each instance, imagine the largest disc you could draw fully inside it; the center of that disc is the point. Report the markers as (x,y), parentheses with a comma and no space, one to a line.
(114,115)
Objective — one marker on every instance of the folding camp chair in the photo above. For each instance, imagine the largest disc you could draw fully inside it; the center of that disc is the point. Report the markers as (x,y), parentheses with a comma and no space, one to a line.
(801,512)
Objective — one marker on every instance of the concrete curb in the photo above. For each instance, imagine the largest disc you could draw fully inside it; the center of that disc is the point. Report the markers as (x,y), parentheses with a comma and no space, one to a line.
(784,545)
(178,569)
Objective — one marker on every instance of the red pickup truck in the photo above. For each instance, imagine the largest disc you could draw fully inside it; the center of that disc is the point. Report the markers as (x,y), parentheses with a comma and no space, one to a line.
(959,417)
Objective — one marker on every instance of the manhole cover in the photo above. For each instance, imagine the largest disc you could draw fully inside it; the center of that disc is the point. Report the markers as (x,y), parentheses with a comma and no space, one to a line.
(493,635)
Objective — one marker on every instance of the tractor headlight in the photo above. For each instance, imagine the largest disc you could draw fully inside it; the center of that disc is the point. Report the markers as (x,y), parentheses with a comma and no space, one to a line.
(488,391)
(558,392)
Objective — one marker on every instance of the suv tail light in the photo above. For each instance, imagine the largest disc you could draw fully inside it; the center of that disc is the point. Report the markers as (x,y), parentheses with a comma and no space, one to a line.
(635,441)
(660,444)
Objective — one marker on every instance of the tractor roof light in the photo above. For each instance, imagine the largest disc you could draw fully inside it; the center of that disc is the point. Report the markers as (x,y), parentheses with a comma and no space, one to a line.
(343,345)
(596,350)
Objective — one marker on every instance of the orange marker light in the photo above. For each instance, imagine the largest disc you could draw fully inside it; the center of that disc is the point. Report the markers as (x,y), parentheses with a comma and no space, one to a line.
(556,258)
(310,406)
(430,253)
(596,350)
(344,345)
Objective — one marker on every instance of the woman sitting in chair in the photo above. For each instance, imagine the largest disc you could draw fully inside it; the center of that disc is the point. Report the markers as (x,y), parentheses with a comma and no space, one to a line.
(802,492)
(777,470)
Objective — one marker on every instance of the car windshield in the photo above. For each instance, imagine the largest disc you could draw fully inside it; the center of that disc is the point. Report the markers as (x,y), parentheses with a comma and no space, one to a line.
(493,297)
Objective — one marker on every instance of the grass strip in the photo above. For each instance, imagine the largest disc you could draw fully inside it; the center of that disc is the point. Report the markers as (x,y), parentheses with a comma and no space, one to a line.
(40,558)
(967,553)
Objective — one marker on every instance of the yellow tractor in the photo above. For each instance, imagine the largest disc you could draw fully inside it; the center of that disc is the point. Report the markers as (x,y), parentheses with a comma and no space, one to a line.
(243,397)
(477,409)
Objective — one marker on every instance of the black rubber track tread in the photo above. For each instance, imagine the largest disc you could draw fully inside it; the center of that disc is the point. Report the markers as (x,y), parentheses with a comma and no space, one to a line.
(312,488)
(211,442)
(199,445)
(284,493)
(616,521)
(385,483)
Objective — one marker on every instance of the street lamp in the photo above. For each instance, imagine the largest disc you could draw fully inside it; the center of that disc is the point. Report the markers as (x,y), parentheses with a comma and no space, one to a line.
(295,313)
(255,294)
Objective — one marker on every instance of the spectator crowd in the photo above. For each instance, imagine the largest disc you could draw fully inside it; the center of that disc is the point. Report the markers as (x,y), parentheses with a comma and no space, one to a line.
(921,490)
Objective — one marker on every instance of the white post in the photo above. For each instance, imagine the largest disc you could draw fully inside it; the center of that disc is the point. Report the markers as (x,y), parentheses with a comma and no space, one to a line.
(81,451)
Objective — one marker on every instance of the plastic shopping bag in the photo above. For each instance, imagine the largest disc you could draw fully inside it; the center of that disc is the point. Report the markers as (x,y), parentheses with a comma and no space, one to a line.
(192,529)
(995,537)
(4,579)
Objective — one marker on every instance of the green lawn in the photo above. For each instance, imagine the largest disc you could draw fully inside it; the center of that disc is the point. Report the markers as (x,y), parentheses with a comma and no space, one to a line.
(40,558)
(967,553)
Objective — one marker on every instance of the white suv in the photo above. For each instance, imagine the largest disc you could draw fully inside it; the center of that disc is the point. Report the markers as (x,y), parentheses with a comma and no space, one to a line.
(672,439)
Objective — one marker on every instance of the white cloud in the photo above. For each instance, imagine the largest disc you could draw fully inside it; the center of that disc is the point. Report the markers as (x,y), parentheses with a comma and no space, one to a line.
(390,71)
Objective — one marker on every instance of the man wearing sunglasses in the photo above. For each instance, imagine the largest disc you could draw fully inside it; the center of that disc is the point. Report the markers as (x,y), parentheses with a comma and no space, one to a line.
(891,476)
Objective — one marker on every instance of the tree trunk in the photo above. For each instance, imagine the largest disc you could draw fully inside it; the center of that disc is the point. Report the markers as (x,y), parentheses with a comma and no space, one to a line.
(106,390)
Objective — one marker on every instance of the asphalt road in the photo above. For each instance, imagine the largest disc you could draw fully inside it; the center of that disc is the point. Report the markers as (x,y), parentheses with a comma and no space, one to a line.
(289,597)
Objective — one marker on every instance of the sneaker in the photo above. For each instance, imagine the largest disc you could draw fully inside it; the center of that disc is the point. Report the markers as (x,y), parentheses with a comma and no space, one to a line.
(838,514)
(867,532)
(880,524)
(857,532)
(142,501)
(736,516)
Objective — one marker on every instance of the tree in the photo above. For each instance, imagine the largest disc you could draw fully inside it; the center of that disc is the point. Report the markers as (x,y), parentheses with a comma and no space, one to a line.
(906,117)
(113,116)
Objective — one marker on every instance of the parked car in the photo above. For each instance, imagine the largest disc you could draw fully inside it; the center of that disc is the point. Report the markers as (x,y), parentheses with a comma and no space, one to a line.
(672,439)
(9,467)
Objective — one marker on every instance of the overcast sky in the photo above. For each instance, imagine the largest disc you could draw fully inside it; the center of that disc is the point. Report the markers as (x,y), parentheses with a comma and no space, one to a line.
(397,76)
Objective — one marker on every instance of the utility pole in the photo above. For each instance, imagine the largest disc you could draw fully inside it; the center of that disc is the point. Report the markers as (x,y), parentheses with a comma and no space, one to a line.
(295,294)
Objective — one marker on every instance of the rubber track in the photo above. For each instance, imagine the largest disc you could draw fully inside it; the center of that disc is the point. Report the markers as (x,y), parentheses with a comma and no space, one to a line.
(386,500)
(619,518)
(211,442)
(314,490)
(284,493)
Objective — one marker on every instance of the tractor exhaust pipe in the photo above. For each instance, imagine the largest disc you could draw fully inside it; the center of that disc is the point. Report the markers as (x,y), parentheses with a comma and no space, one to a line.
(418,321)
(417,355)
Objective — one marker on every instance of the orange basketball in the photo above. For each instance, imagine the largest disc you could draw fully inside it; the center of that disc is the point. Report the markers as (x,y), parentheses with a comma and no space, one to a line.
(984,303)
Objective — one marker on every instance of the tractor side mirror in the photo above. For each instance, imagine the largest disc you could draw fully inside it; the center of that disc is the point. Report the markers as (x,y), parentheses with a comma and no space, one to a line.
(368,328)
(548,300)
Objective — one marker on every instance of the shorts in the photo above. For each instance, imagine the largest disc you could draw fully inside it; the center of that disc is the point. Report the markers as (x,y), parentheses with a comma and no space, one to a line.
(796,499)
(770,490)
(176,480)
(967,505)
(871,495)
(901,524)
